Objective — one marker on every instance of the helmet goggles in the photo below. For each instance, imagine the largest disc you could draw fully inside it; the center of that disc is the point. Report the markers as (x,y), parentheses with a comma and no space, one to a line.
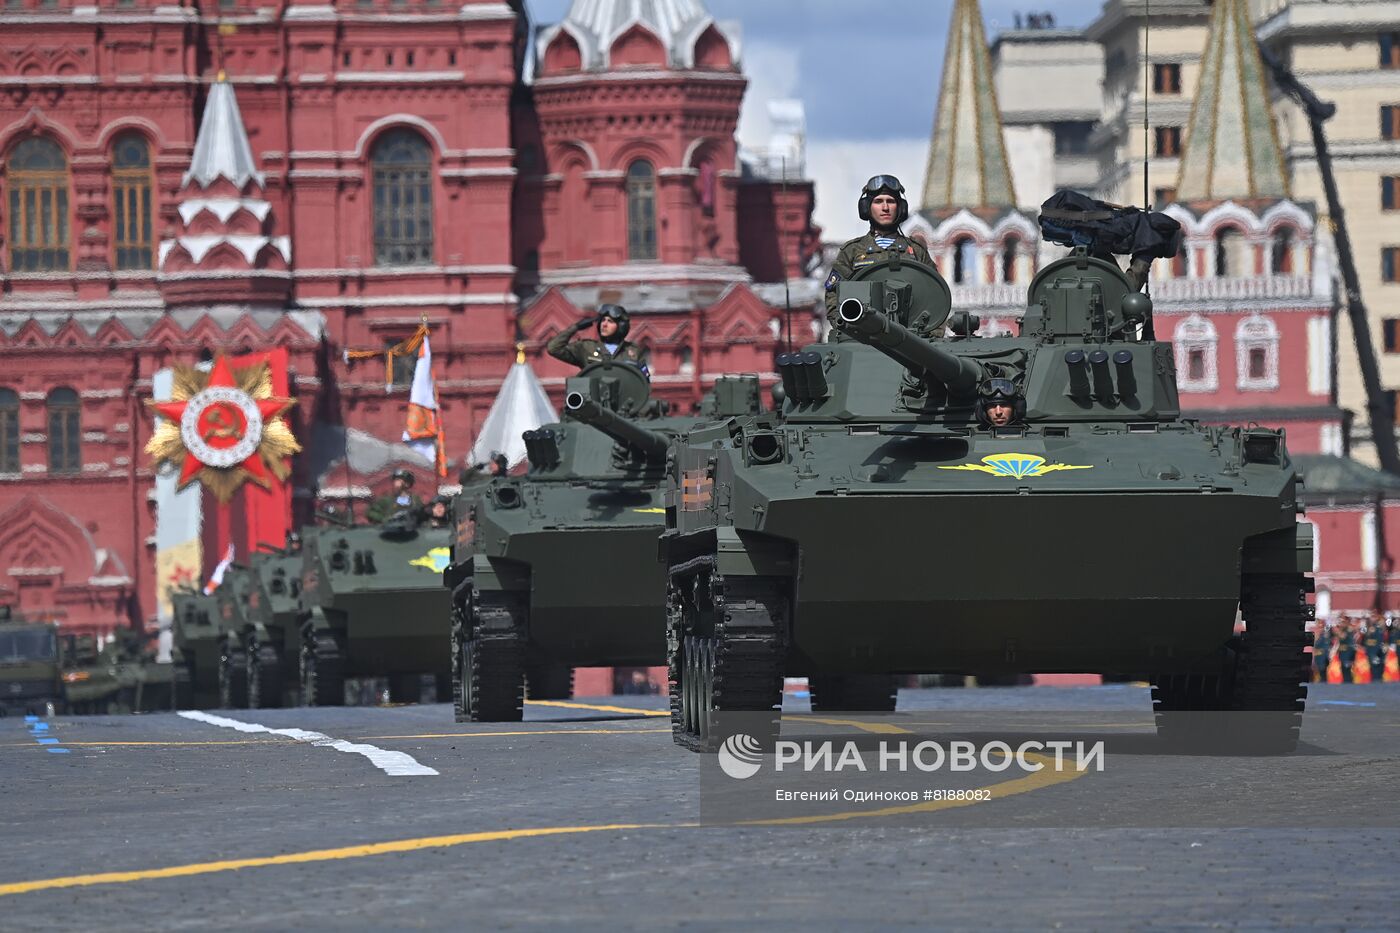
(616,312)
(998,389)
(878,183)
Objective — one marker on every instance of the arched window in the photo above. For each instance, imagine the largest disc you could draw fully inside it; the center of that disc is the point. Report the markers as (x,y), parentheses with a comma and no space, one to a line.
(403,200)
(65,431)
(9,431)
(1256,352)
(686,362)
(38,206)
(131,202)
(641,211)
(1008,259)
(1231,254)
(1196,366)
(1281,252)
(964,261)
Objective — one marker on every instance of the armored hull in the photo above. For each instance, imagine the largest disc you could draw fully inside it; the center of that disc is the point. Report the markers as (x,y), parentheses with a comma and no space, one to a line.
(558,569)
(372,605)
(887,526)
(197,637)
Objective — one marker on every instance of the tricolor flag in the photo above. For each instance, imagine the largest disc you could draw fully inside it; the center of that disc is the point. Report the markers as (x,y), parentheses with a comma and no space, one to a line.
(424,430)
(217,576)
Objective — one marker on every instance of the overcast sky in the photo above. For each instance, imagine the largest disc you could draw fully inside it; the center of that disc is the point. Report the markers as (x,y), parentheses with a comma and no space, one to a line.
(867,73)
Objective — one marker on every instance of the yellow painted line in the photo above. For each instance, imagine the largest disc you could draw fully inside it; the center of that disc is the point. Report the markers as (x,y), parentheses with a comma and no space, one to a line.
(606,709)
(487,735)
(317,855)
(878,728)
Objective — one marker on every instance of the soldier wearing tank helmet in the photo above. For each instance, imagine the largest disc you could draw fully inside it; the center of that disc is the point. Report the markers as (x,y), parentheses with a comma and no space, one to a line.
(612,344)
(883,204)
(999,403)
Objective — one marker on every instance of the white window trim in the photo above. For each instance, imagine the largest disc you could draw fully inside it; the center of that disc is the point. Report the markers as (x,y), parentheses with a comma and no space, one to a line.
(1252,333)
(1196,333)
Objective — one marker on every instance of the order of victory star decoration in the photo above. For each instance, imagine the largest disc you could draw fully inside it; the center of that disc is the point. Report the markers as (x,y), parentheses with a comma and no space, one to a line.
(223,428)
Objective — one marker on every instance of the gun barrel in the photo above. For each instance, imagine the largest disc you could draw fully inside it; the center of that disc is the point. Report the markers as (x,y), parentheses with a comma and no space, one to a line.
(898,342)
(652,444)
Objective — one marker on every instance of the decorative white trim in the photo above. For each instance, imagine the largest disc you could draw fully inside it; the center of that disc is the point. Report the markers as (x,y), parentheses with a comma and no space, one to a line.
(1196,333)
(403,301)
(397,119)
(33,438)
(1256,332)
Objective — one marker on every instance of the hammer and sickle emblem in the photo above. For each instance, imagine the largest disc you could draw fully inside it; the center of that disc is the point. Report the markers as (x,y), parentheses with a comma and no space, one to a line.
(221,426)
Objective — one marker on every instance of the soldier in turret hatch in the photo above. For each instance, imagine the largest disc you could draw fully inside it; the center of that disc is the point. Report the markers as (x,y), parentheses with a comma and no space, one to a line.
(883,204)
(401,498)
(999,404)
(612,344)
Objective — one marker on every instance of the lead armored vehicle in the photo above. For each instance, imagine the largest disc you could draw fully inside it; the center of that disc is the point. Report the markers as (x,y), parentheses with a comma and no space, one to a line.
(557,569)
(372,605)
(884,528)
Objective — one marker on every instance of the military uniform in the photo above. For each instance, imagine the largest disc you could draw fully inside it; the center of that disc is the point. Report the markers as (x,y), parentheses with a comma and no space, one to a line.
(584,352)
(864,251)
(383,508)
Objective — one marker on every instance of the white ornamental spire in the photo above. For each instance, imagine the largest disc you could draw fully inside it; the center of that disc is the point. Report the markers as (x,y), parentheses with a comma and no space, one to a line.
(520,406)
(222,150)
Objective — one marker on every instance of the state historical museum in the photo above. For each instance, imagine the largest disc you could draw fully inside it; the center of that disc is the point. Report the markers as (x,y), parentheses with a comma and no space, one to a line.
(319,179)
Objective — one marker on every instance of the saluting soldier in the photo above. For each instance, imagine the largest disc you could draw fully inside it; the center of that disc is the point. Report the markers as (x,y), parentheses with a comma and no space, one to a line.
(612,344)
(883,204)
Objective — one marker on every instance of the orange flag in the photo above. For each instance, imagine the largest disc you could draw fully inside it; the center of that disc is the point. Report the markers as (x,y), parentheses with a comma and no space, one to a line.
(1334,668)
(1392,666)
(1361,668)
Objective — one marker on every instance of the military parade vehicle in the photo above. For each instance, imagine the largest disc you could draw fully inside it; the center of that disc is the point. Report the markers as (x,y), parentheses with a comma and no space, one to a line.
(557,569)
(231,612)
(29,666)
(372,605)
(269,635)
(121,675)
(884,528)
(196,636)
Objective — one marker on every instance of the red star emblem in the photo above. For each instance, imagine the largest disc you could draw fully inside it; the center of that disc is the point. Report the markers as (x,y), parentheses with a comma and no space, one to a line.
(224,423)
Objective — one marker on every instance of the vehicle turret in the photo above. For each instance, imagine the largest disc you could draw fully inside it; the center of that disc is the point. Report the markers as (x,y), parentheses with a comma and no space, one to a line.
(604,396)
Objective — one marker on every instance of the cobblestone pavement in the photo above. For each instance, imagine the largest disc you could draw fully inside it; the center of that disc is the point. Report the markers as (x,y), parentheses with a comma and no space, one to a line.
(584,815)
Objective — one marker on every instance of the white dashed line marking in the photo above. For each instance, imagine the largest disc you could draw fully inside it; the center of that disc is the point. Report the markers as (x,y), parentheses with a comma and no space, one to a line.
(396,764)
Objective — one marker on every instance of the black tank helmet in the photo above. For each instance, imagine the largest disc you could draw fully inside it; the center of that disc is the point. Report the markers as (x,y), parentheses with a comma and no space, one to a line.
(890,185)
(999,389)
(619,314)
(404,475)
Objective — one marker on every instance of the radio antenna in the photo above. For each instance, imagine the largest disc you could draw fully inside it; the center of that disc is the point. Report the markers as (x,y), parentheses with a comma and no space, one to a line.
(782,259)
(1146,104)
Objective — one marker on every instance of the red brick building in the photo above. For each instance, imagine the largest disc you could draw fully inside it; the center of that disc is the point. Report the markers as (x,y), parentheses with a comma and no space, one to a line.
(184,179)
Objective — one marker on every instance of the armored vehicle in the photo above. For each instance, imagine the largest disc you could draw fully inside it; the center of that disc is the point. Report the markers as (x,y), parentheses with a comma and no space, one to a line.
(121,675)
(196,637)
(269,635)
(231,611)
(885,528)
(29,668)
(557,569)
(372,605)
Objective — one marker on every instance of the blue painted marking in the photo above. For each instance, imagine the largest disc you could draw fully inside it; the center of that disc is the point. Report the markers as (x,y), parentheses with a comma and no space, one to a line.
(39,732)
(1342,703)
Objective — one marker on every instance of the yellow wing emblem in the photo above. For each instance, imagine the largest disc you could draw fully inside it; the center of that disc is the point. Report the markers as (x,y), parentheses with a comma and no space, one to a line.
(1016,465)
(436,560)
(651,511)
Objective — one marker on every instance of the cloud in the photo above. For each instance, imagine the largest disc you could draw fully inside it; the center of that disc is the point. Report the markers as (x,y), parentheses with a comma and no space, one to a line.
(772,71)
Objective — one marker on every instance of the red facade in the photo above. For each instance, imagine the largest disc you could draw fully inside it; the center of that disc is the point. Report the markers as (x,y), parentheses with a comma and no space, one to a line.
(403,170)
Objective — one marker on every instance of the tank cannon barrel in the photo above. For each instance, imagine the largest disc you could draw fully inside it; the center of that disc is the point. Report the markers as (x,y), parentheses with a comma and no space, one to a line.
(651,444)
(873,327)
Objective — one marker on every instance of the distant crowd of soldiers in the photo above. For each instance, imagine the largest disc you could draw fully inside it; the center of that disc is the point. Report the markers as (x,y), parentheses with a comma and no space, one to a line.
(1357,649)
